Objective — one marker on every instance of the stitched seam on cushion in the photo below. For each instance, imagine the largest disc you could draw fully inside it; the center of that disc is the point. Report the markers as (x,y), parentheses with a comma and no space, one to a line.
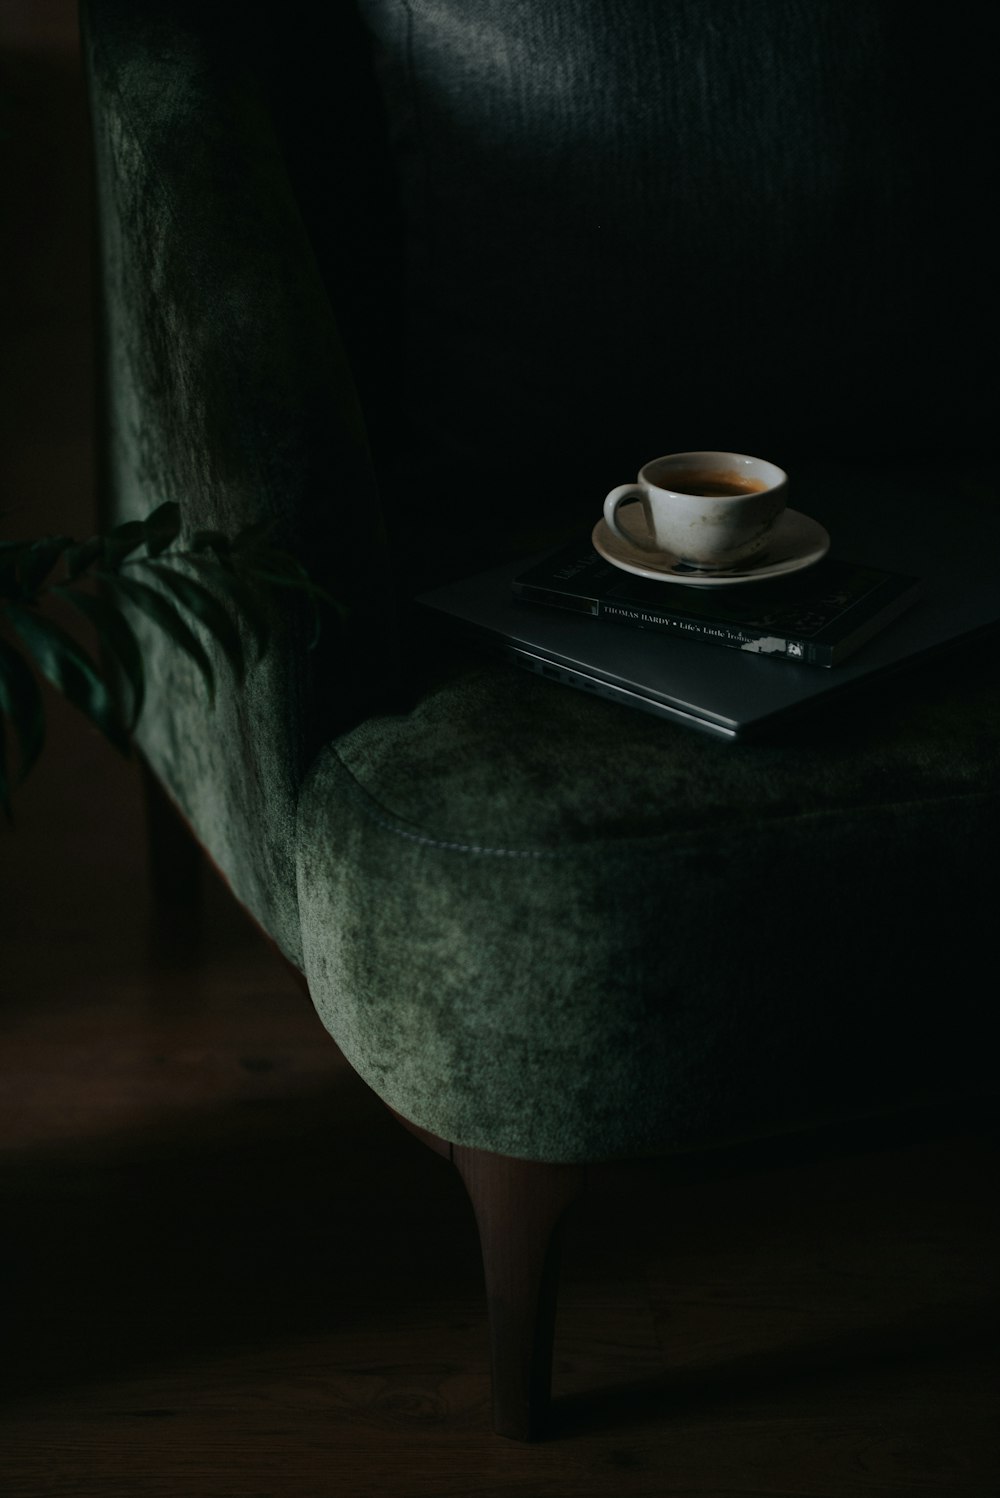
(366,806)
(383,819)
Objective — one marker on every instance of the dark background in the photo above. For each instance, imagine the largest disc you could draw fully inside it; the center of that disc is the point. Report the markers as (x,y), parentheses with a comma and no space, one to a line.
(226,1271)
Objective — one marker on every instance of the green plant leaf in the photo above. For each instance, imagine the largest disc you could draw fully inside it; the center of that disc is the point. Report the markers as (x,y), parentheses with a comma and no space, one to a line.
(281,580)
(161,528)
(249,535)
(281,570)
(10,552)
(38,560)
(244,597)
(71,671)
(216,542)
(207,609)
(21,703)
(117,636)
(82,555)
(122,541)
(161,611)
(128,530)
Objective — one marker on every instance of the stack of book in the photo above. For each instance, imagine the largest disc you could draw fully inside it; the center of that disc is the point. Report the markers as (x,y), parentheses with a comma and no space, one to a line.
(816,617)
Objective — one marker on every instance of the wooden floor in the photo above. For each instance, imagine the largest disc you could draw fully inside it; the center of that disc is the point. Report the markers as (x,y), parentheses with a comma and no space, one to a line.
(227,1273)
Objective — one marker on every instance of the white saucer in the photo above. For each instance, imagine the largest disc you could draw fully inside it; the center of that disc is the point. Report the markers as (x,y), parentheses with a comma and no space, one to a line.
(796,542)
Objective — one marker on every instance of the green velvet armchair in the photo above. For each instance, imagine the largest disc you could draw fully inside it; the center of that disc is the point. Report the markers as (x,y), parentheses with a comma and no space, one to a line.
(378,272)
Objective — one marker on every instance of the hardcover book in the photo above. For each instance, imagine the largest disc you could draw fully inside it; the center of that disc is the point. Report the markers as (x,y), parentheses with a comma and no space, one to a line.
(816,617)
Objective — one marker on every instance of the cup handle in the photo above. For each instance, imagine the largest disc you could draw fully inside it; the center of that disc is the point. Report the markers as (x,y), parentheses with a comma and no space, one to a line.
(618,497)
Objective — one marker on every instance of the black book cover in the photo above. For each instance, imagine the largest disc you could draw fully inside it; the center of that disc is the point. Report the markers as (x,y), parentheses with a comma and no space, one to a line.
(817,616)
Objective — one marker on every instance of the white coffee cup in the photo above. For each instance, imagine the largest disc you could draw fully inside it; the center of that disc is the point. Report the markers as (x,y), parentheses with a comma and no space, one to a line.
(710,509)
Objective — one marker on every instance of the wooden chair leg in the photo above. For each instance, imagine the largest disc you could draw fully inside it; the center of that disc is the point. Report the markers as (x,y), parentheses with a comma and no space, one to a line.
(519,1207)
(175,869)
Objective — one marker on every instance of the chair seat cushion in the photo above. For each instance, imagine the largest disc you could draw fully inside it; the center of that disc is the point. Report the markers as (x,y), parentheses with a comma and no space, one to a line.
(543,924)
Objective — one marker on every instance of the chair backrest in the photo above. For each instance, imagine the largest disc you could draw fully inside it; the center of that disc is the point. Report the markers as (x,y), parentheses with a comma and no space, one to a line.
(554,240)
(633,226)
(227,390)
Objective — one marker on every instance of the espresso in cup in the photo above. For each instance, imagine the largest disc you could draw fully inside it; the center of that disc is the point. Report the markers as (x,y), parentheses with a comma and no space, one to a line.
(716,485)
(709,509)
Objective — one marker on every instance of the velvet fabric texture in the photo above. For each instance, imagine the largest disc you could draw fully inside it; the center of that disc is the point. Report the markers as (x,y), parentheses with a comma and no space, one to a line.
(677,945)
(551,926)
(429,260)
(227,390)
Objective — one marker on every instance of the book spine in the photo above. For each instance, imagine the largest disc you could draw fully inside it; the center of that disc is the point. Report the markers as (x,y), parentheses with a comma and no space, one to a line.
(784,646)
